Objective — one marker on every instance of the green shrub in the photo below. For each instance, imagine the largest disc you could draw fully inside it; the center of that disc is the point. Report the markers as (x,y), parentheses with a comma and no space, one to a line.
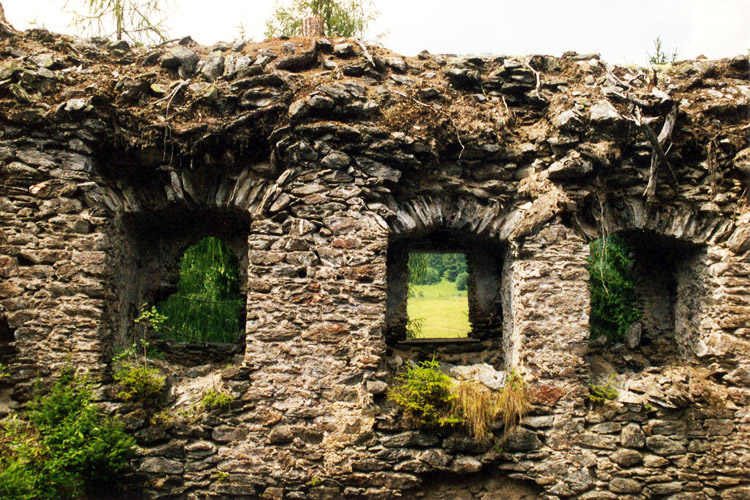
(66,449)
(461,280)
(21,458)
(613,297)
(425,393)
(213,399)
(142,384)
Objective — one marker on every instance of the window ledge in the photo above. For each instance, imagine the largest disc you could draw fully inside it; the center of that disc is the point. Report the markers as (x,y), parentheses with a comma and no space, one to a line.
(463,340)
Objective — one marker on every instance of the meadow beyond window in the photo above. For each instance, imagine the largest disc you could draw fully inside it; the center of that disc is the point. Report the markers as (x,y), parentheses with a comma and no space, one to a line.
(438,305)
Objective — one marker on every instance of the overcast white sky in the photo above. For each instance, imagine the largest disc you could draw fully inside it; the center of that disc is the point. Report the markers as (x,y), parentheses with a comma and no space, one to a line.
(621,30)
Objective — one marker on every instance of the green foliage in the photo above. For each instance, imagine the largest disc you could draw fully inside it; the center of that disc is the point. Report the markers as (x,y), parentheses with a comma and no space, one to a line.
(660,55)
(67,447)
(425,393)
(340,17)
(461,281)
(314,481)
(600,394)
(414,328)
(3,371)
(141,21)
(142,384)
(430,268)
(213,399)
(152,318)
(207,305)
(453,265)
(417,266)
(433,399)
(21,458)
(613,297)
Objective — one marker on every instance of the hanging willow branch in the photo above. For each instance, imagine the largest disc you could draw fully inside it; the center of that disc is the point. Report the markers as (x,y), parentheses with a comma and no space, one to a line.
(208,305)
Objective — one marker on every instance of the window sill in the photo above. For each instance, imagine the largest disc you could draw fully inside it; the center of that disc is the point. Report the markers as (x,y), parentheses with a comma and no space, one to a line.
(463,340)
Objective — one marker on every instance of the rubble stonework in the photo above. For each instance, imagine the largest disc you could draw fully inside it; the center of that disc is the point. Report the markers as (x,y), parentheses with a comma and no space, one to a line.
(316,160)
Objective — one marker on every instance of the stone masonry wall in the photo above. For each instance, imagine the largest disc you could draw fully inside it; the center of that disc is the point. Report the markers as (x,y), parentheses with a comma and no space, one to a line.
(319,160)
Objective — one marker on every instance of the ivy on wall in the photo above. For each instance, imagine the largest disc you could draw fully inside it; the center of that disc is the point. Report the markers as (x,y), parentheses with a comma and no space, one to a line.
(613,296)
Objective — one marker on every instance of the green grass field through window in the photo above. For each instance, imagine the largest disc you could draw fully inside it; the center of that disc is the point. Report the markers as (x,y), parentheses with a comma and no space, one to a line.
(440,310)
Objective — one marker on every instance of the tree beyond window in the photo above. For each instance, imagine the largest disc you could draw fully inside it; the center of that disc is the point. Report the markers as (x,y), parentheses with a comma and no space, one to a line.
(207,305)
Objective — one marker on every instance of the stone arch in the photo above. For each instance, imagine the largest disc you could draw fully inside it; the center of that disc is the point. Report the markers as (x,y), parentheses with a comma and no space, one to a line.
(148,252)
(421,215)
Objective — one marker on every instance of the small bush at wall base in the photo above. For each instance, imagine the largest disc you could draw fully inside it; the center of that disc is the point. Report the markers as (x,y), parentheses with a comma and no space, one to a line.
(66,449)
(141,384)
(213,399)
(425,393)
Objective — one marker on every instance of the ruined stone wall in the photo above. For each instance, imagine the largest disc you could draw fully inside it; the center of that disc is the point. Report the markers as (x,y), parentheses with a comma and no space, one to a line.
(318,161)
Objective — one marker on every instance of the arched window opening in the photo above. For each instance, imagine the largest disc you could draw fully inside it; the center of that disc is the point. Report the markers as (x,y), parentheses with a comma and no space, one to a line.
(444,287)
(207,306)
(647,291)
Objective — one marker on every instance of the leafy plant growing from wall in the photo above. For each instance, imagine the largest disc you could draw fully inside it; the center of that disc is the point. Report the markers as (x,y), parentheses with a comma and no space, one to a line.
(216,399)
(140,382)
(425,393)
(207,306)
(613,297)
(433,399)
(64,448)
(660,54)
(600,394)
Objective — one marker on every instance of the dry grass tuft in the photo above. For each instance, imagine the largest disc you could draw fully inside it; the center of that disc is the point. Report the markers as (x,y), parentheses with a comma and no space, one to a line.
(415,120)
(477,406)
(513,403)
